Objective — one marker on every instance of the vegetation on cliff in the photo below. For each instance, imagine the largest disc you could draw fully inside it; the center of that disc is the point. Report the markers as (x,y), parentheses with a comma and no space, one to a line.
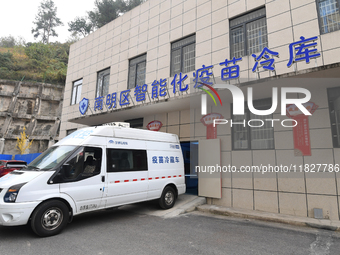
(33,61)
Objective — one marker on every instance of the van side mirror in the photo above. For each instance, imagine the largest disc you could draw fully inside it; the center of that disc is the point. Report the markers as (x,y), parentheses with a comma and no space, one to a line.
(59,177)
(65,171)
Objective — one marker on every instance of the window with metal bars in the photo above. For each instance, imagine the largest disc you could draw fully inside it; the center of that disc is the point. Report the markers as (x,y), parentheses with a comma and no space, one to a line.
(137,69)
(103,82)
(334,111)
(329,16)
(183,55)
(253,138)
(248,33)
(76,91)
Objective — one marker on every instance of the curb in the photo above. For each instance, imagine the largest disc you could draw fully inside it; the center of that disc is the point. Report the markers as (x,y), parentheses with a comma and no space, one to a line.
(271,217)
(189,207)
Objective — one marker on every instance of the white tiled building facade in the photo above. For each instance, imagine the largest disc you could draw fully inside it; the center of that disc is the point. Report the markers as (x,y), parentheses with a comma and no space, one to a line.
(161,38)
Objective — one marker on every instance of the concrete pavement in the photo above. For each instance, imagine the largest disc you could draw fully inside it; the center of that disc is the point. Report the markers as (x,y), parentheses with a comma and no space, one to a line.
(185,203)
(271,217)
(188,203)
(108,232)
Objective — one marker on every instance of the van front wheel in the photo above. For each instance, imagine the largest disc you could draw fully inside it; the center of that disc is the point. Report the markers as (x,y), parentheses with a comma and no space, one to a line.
(168,198)
(49,218)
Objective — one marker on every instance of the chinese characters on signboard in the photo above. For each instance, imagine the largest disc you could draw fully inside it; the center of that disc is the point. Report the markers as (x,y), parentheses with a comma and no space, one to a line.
(164,160)
(154,125)
(302,50)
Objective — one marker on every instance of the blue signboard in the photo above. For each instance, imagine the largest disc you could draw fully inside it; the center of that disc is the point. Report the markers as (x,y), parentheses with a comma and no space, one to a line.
(303,50)
(83,105)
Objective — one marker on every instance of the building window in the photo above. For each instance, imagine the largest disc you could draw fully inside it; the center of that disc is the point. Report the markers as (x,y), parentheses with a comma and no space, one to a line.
(103,82)
(248,33)
(334,111)
(70,131)
(135,123)
(76,91)
(183,55)
(253,138)
(329,16)
(137,69)
(126,160)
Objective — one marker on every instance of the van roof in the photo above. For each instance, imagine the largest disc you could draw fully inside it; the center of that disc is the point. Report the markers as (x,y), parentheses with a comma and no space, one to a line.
(134,133)
(79,136)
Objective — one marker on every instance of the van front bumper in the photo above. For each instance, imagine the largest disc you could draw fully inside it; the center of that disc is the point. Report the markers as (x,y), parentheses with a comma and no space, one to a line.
(14,214)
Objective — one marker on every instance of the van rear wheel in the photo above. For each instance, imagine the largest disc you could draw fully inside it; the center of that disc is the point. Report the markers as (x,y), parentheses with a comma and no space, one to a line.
(50,218)
(168,198)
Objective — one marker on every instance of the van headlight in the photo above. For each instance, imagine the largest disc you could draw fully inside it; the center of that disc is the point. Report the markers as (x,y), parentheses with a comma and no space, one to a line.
(12,193)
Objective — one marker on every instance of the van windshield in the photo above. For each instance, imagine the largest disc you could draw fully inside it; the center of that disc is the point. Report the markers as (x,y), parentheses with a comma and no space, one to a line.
(50,158)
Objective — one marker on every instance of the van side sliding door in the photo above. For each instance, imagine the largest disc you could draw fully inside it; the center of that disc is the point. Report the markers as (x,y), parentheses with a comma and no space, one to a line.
(127,176)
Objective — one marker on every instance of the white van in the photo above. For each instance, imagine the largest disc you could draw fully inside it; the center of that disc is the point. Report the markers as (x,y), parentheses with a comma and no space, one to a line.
(91,169)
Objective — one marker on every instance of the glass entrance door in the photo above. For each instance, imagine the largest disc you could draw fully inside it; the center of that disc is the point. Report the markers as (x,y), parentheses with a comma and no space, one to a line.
(190,156)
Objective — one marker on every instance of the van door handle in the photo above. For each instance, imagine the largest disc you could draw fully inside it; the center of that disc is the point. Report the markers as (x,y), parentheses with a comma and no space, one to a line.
(103,178)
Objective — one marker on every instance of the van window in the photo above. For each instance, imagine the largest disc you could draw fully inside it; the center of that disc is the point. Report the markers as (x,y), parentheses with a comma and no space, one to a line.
(51,158)
(84,164)
(122,160)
